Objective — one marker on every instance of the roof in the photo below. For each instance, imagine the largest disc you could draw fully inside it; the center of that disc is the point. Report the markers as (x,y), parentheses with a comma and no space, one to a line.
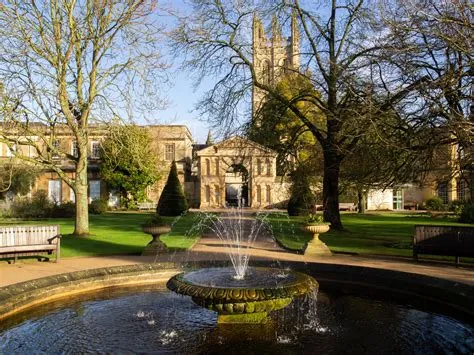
(236,142)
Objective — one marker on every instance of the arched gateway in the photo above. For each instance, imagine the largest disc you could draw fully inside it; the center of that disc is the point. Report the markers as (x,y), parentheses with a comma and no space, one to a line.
(236,171)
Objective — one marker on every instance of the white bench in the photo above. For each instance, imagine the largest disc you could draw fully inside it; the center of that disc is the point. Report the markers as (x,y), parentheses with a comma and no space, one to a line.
(146,205)
(18,241)
(347,206)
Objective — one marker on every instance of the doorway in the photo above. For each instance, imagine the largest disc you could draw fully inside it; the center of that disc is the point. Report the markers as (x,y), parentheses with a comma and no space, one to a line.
(236,186)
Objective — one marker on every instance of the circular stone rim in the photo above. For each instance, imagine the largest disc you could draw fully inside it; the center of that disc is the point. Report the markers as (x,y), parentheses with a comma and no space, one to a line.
(302,284)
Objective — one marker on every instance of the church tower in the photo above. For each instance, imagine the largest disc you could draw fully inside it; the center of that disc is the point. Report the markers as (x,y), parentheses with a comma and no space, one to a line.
(272,57)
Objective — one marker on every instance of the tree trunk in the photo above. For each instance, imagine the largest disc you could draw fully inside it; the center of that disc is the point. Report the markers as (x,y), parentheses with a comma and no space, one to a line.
(332,164)
(361,201)
(82,204)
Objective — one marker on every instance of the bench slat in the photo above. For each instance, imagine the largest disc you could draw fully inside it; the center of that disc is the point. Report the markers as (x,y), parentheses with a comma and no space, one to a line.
(22,248)
(29,240)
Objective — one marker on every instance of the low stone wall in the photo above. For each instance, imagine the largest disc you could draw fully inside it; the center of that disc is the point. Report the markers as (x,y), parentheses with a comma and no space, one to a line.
(21,296)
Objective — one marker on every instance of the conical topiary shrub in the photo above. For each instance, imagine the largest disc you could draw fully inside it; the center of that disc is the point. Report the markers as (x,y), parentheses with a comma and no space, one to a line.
(172,201)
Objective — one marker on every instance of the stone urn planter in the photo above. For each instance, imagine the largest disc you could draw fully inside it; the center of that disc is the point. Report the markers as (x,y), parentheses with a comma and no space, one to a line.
(156,246)
(315,246)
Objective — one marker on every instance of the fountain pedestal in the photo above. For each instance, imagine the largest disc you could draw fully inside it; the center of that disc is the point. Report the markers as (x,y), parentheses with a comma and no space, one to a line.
(315,246)
(156,246)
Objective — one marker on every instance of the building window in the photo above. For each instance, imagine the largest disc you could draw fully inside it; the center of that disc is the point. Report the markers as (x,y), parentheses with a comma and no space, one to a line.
(397,199)
(95,150)
(266,74)
(54,191)
(269,194)
(56,146)
(94,190)
(443,192)
(217,166)
(208,193)
(269,167)
(169,152)
(461,190)
(74,149)
(259,194)
(208,167)
(259,167)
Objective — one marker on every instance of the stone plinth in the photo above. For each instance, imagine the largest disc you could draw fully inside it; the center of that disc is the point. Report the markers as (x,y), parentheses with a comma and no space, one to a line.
(315,246)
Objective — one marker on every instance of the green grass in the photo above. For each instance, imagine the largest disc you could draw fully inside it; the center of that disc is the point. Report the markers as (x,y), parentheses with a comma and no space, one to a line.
(116,233)
(388,234)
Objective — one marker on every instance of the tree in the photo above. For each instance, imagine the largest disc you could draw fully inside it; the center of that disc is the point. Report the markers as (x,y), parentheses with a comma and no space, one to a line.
(128,162)
(341,42)
(301,197)
(66,65)
(277,127)
(16,177)
(172,200)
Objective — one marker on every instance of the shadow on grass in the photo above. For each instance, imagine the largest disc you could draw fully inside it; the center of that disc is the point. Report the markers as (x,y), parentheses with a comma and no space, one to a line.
(88,246)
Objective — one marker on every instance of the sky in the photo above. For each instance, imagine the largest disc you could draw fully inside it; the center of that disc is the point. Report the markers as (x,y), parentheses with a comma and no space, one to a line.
(182,98)
(182,95)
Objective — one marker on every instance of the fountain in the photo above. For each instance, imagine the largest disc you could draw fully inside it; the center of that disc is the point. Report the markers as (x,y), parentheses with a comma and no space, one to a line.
(241,294)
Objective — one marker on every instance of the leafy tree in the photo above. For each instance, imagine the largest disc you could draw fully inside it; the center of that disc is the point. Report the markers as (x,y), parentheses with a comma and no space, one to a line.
(277,127)
(17,177)
(172,200)
(128,162)
(66,65)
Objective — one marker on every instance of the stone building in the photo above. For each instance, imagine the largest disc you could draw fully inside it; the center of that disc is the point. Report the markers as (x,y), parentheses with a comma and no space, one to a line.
(237,172)
(274,56)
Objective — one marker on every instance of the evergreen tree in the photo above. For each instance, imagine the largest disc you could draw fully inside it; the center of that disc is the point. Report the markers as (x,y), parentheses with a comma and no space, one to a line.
(172,200)
(209,140)
(302,198)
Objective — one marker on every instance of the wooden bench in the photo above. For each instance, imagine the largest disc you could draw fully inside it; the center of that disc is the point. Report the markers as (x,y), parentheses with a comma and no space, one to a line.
(146,205)
(18,241)
(444,240)
(343,206)
(347,206)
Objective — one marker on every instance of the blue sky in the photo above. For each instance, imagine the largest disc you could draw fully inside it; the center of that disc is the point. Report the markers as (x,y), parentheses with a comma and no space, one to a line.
(182,98)
(182,95)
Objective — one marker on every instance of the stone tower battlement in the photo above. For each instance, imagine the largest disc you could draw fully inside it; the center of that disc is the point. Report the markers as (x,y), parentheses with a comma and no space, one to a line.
(273,56)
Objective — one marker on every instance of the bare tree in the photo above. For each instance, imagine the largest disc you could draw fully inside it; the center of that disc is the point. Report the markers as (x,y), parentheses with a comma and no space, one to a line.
(434,39)
(67,65)
(341,42)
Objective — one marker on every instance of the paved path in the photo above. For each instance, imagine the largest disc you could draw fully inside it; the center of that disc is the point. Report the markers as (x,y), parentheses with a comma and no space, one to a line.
(210,247)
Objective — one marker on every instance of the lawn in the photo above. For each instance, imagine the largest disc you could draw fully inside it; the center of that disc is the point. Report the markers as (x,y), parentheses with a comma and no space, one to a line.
(388,234)
(117,233)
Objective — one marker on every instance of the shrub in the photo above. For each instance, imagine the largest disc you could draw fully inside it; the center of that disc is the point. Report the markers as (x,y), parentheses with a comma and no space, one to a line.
(457,206)
(302,198)
(172,200)
(434,204)
(99,206)
(38,206)
(467,214)
(63,210)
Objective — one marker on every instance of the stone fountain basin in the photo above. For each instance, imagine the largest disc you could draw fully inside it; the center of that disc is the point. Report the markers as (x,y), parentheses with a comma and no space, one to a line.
(28,295)
(261,291)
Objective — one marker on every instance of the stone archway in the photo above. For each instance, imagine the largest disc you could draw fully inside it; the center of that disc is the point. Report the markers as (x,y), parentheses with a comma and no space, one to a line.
(236,186)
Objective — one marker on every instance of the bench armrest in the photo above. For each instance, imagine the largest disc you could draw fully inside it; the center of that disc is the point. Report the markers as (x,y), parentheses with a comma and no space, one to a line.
(50,240)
